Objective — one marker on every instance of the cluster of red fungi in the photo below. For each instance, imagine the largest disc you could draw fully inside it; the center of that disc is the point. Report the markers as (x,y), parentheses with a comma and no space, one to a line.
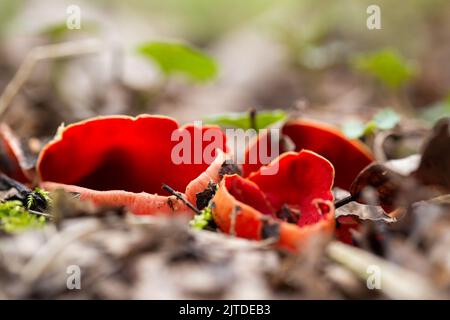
(123,161)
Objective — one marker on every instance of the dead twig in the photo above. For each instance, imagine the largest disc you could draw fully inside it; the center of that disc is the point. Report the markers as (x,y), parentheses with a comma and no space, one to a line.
(396,282)
(37,54)
(45,255)
(179,196)
(344,201)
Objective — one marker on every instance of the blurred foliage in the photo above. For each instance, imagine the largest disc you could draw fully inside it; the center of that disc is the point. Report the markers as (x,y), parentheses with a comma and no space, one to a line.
(312,35)
(437,111)
(58,31)
(14,217)
(387,66)
(262,119)
(178,58)
(357,129)
(320,34)
(203,20)
(384,120)
(8,9)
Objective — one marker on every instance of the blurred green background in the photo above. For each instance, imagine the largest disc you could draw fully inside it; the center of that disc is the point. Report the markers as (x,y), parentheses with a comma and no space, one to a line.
(314,56)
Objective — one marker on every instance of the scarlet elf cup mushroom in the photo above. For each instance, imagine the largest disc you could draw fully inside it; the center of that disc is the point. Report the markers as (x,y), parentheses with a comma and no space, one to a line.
(120,160)
(123,161)
(289,206)
(348,157)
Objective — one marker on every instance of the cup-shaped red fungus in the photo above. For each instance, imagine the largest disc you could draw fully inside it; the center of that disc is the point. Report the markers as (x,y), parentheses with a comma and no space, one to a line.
(12,158)
(290,206)
(348,157)
(123,161)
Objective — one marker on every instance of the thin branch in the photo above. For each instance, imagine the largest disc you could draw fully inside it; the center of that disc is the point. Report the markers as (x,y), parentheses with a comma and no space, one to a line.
(38,213)
(179,196)
(42,259)
(7,182)
(396,282)
(37,54)
(344,201)
(252,116)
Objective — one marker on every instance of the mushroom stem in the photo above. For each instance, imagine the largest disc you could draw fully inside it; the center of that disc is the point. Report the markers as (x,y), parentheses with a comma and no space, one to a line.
(179,196)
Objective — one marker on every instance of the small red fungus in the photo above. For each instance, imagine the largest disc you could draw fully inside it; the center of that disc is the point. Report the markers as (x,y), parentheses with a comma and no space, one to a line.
(121,160)
(289,206)
(12,159)
(348,157)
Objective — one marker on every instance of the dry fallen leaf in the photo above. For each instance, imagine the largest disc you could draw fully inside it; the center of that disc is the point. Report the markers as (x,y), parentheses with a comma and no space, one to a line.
(399,183)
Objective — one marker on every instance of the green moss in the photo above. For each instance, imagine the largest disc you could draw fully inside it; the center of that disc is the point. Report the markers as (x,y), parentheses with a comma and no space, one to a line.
(14,217)
(202,220)
(38,195)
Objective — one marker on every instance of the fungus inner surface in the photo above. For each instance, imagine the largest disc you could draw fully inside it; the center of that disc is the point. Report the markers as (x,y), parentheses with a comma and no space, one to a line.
(122,153)
(297,193)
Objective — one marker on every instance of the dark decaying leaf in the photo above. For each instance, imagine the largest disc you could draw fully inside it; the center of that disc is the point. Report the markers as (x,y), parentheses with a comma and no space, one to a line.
(229,167)
(403,182)
(399,143)
(290,215)
(434,168)
(359,210)
(205,196)
(151,258)
(270,229)
(355,220)
(385,182)
(420,241)
(31,199)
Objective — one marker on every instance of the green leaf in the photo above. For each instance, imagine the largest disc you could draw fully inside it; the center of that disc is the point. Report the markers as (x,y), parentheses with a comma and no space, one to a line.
(387,66)
(242,120)
(353,129)
(437,111)
(386,119)
(370,128)
(357,129)
(44,194)
(266,118)
(8,12)
(178,58)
